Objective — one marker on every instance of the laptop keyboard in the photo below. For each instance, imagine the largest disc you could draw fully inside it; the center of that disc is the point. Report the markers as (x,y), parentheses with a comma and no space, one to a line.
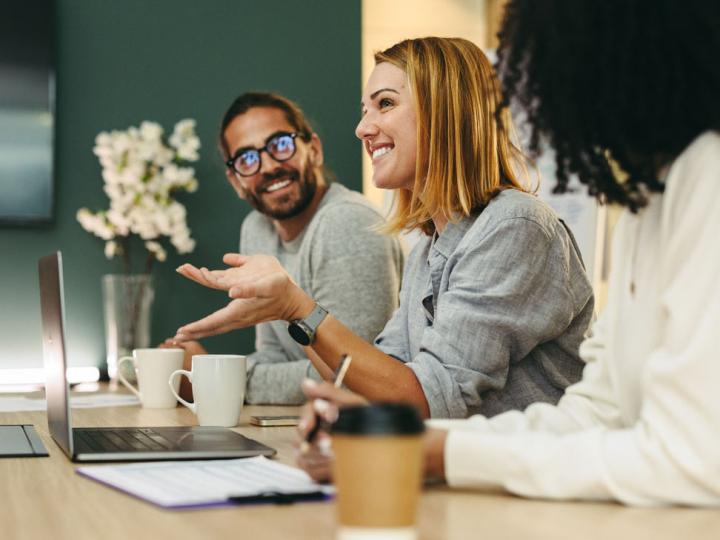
(123,440)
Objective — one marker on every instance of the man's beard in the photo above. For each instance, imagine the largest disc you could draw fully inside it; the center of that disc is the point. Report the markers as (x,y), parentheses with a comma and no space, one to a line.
(286,207)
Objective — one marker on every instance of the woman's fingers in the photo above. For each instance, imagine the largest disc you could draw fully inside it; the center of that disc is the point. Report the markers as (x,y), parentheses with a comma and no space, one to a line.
(214,279)
(189,271)
(328,411)
(317,459)
(185,335)
(223,320)
(258,285)
(196,274)
(212,276)
(336,396)
(307,421)
(234,259)
(319,471)
(324,399)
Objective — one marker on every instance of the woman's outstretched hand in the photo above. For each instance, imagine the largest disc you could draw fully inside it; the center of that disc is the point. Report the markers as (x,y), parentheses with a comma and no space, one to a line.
(261,290)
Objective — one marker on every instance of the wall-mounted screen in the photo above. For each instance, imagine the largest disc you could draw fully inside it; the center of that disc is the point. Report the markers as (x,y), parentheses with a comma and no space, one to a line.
(26,110)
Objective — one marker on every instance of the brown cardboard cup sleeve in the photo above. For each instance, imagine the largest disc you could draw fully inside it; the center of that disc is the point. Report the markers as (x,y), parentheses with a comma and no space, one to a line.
(377,470)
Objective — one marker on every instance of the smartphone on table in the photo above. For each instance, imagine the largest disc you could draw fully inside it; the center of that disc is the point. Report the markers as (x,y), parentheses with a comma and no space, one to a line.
(267,421)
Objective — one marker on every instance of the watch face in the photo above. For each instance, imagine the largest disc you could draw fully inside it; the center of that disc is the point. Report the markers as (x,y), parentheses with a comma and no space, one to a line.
(298,333)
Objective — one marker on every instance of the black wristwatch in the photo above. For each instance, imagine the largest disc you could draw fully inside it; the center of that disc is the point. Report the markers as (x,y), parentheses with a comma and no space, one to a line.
(303,330)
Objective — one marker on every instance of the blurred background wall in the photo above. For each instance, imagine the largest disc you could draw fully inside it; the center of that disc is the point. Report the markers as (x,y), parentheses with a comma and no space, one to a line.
(122,62)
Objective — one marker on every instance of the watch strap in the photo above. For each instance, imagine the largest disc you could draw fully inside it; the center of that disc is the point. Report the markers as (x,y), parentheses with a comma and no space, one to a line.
(316,316)
(303,330)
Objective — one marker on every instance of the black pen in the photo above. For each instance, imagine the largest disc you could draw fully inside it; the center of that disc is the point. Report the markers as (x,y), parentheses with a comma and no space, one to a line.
(277,497)
(340,373)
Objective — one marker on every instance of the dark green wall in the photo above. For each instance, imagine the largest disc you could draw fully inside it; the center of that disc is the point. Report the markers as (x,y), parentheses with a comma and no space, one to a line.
(121,62)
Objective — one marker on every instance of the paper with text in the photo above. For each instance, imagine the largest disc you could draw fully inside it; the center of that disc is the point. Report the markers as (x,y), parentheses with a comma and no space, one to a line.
(187,484)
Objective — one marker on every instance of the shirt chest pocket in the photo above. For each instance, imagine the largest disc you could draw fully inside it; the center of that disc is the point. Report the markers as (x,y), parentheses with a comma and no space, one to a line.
(428,304)
(432,288)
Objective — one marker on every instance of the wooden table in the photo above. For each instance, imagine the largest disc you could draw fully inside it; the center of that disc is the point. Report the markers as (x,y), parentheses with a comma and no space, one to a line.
(43,498)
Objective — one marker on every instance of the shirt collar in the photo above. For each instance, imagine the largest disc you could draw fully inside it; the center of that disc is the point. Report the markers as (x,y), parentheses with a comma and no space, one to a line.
(446,242)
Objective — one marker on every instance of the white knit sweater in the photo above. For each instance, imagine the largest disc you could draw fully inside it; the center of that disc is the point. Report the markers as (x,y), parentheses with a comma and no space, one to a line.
(643,425)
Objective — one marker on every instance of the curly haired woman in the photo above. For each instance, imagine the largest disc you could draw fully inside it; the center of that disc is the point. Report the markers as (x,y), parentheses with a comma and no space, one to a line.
(627,94)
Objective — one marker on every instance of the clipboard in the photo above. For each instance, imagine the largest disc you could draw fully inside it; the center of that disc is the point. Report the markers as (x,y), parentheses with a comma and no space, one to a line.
(199,484)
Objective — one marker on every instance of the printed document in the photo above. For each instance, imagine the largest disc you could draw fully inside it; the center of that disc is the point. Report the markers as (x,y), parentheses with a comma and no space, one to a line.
(187,484)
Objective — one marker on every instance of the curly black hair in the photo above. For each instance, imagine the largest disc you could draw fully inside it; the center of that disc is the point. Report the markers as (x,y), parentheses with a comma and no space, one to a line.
(631,80)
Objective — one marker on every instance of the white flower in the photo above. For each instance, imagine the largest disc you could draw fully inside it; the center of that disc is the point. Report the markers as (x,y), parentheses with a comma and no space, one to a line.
(110,249)
(184,128)
(140,173)
(103,139)
(111,176)
(151,131)
(119,221)
(183,244)
(188,149)
(145,150)
(105,231)
(84,216)
(184,140)
(95,223)
(121,142)
(163,222)
(157,250)
(163,156)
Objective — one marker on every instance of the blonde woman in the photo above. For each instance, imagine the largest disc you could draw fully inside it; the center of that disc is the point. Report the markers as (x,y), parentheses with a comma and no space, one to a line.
(494,300)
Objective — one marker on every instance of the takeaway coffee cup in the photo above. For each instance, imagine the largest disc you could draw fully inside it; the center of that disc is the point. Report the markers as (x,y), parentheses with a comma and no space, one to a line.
(152,368)
(377,471)
(218,382)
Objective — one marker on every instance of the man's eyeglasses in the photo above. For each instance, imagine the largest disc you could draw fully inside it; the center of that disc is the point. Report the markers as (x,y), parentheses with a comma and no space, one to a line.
(247,161)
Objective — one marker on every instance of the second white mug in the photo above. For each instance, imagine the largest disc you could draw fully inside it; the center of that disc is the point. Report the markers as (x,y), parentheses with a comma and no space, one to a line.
(218,382)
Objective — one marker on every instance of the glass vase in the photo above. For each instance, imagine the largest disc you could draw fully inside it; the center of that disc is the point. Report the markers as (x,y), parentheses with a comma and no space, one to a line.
(127,300)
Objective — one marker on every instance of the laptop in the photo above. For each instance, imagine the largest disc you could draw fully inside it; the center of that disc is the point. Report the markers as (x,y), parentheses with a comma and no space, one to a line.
(116,443)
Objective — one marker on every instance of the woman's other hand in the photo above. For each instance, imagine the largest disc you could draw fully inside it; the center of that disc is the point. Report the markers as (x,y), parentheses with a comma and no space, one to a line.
(325,401)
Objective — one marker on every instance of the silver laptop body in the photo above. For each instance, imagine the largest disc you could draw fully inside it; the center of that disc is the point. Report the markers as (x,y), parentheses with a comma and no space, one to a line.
(116,444)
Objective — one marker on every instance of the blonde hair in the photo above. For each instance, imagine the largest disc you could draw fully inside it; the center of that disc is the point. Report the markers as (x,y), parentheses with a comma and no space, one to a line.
(464,152)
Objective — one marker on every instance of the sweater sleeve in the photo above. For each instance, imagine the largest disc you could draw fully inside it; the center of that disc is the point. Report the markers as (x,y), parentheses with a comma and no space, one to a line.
(669,454)
(355,269)
(272,377)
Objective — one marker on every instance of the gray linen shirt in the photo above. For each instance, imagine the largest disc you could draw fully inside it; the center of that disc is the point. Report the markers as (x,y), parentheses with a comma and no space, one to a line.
(492,310)
(351,270)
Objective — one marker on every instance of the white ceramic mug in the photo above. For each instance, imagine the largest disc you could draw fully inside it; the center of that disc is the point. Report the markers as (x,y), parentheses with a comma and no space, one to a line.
(152,368)
(218,382)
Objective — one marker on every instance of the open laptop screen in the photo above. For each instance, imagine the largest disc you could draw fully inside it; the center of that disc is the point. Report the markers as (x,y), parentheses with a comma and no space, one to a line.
(53,318)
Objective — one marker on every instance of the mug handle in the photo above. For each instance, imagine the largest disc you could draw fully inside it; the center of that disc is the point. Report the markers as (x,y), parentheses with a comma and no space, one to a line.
(171,380)
(123,379)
